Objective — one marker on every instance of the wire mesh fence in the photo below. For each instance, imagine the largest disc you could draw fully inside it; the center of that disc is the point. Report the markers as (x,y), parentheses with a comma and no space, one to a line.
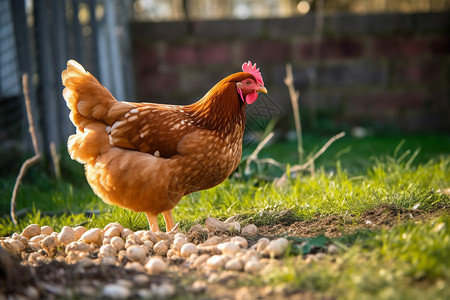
(37,38)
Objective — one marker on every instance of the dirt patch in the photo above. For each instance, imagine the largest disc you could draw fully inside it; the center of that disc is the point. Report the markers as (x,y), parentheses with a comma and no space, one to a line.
(88,280)
(383,216)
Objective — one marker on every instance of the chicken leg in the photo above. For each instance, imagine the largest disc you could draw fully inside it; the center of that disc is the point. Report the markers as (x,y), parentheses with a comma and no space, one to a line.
(168,217)
(152,221)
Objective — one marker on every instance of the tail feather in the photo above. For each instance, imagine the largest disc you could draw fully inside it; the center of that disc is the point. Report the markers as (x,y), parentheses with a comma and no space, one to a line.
(86,146)
(86,97)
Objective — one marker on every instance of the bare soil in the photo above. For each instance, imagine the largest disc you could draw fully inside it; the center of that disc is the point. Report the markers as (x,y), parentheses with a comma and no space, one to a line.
(383,216)
(58,280)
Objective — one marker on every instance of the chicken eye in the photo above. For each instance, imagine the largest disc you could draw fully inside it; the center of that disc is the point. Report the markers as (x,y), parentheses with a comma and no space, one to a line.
(248,82)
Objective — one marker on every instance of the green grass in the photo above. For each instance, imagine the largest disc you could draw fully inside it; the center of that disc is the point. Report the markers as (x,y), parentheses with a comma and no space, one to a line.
(410,261)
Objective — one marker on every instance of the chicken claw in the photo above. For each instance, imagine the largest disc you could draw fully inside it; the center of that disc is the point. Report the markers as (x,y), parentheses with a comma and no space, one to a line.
(168,217)
(153,222)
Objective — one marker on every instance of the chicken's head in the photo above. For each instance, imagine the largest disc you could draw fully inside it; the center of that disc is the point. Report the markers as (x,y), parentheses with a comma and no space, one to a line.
(248,88)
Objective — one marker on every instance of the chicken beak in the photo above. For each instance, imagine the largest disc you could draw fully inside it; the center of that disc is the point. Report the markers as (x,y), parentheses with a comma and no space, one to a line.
(262,89)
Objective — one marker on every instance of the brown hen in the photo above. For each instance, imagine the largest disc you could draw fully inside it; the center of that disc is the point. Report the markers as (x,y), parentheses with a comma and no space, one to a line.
(145,156)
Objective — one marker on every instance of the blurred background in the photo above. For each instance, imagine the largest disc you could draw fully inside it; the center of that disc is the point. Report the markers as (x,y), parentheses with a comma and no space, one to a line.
(362,66)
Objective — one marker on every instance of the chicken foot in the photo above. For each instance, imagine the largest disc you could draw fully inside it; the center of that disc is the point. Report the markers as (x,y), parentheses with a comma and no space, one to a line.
(168,217)
(152,221)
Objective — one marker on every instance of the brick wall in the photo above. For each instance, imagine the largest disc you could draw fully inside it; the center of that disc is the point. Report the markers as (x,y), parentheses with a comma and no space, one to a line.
(388,71)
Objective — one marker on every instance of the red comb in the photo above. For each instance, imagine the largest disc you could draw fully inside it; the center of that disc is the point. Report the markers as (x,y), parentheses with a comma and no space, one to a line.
(248,68)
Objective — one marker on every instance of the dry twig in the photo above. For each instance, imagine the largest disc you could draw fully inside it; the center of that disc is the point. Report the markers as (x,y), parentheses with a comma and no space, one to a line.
(294,96)
(31,161)
(308,164)
(254,156)
(56,160)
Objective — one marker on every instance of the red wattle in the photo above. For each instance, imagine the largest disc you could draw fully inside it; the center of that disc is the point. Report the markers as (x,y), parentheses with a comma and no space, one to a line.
(251,97)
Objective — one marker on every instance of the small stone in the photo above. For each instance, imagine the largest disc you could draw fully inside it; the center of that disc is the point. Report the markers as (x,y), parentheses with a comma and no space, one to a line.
(261,244)
(240,241)
(34,246)
(214,240)
(83,247)
(252,266)
(139,233)
(310,258)
(165,290)
(46,230)
(141,279)
(79,230)
(199,286)
(107,251)
(211,250)
(215,225)
(188,249)
(72,257)
(108,226)
(160,248)
(126,232)
(170,253)
(149,236)
(72,247)
(228,248)
(117,243)
(38,238)
(106,240)
(195,229)
(50,244)
(136,253)
(36,257)
(130,243)
(66,236)
(180,235)
(135,266)
(86,292)
(234,264)
(277,247)
(32,292)
(85,262)
(213,277)
(116,291)
(135,239)
(333,249)
(108,261)
(200,260)
(21,243)
(162,236)
(31,230)
(149,245)
(82,254)
(215,262)
(249,230)
(155,265)
(178,243)
(192,258)
(93,235)
(112,232)
(226,276)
